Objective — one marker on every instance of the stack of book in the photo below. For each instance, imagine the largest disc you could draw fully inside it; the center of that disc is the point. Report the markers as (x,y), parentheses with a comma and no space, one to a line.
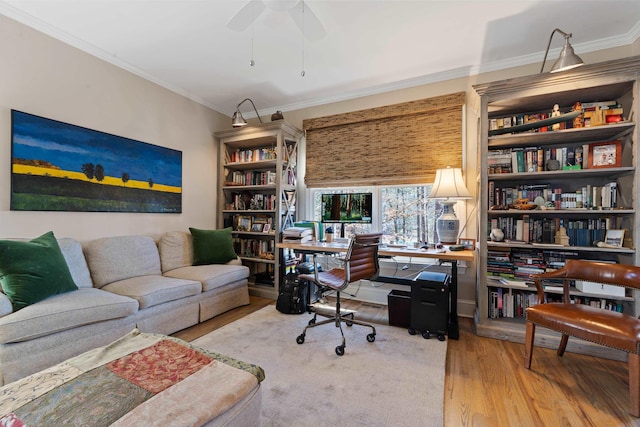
(297,234)
(499,161)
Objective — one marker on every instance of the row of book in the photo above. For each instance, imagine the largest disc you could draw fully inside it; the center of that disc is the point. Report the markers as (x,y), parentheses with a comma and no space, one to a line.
(507,303)
(251,178)
(589,196)
(539,159)
(512,303)
(251,155)
(528,229)
(257,201)
(254,248)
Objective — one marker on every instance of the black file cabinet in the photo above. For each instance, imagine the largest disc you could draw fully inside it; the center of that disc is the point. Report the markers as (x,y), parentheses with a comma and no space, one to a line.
(430,299)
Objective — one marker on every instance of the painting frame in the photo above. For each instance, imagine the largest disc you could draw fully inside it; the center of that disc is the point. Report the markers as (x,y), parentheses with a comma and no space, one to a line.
(614,238)
(243,223)
(58,166)
(605,155)
(469,244)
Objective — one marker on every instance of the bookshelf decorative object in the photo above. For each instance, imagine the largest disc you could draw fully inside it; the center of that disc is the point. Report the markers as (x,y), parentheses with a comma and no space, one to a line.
(558,188)
(257,195)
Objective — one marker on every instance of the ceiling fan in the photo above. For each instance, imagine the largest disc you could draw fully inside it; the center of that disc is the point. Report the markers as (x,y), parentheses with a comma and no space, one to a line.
(299,11)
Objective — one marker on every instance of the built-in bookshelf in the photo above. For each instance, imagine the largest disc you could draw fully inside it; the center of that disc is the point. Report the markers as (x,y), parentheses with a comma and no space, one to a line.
(558,162)
(257,195)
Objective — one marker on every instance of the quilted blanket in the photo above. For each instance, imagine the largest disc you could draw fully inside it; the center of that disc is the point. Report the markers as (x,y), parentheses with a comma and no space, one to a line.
(140,379)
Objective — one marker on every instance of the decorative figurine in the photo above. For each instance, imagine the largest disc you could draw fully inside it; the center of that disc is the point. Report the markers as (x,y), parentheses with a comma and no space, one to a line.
(561,237)
(578,122)
(555,113)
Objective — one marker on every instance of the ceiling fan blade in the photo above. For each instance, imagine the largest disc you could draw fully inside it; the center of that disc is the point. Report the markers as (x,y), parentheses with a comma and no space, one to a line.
(246,15)
(311,27)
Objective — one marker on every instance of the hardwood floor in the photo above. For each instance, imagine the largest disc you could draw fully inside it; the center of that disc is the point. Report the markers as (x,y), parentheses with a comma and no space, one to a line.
(487,385)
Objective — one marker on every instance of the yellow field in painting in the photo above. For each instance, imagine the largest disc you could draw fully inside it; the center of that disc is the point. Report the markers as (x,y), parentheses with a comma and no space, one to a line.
(79,176)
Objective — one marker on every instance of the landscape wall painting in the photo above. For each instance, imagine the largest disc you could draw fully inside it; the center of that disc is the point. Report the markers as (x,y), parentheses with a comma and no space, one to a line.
(56,166)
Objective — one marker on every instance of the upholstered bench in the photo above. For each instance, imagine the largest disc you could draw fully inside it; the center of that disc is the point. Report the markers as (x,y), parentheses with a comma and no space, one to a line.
(604,327)
(138,380)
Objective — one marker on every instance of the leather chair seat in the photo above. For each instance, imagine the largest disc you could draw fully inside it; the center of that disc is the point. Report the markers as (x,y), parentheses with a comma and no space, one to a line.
(608,328)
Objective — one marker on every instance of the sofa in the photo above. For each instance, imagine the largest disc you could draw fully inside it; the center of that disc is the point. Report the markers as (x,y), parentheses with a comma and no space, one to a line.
(123,282)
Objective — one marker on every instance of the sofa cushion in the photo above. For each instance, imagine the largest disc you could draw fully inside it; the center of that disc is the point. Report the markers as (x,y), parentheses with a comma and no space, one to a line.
(65,311)
(153,290)
(34,270)
(211,276)
(72,252)
(212,246)
(176,250)
(111,259)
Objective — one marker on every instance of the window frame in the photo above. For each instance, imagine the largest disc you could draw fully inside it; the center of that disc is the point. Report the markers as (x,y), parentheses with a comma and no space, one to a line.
(377,202)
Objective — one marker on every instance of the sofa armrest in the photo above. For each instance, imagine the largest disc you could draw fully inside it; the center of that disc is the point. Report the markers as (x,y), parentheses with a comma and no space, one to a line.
(5,305)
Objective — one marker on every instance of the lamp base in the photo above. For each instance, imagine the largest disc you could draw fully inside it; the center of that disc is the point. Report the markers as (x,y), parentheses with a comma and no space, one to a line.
(447,225)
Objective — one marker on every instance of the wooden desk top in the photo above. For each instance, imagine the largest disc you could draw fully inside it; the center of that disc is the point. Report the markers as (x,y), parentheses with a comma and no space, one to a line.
(321,247)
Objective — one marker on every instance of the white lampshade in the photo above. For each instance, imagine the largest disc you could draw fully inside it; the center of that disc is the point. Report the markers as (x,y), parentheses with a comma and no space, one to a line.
(450,187)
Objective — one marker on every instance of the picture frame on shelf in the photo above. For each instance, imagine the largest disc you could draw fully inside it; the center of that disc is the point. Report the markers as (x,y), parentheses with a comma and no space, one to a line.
(266,228)
(243,223)
(605,154)
(469,244)
(614,238)
(257,228)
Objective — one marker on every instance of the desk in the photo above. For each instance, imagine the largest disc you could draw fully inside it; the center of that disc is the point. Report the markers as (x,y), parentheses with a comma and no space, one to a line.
(446,256)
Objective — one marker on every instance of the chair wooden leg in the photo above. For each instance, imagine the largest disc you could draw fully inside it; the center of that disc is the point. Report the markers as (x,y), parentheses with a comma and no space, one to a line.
(528,344)
(563,344)
(634,384)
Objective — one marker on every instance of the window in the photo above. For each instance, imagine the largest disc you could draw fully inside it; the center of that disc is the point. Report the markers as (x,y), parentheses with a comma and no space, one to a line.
(404,214)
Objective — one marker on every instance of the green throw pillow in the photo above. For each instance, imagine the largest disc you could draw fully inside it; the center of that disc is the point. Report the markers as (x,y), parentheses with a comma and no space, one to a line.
(32,271)
(212,246)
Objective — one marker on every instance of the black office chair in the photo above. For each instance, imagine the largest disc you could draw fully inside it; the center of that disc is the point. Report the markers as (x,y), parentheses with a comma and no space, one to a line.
(360,262)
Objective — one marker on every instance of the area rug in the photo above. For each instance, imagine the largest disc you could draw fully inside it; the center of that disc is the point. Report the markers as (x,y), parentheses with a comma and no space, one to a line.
(398,380)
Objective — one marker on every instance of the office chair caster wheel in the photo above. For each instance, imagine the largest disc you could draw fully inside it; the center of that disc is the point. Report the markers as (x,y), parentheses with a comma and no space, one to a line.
(340,350)
(426,335)
(300,339)
(312,322)
(349,323)
(412,331)
(440,337)
(371,337)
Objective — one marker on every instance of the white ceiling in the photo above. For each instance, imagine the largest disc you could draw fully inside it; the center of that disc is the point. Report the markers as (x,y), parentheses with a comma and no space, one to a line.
(369,47)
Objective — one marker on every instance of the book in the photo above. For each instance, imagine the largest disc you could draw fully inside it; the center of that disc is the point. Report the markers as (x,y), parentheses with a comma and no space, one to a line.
(514,283)
(301,239)
(297,232)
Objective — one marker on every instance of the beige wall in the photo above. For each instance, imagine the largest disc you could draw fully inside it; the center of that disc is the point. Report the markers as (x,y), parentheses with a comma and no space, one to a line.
(45,77)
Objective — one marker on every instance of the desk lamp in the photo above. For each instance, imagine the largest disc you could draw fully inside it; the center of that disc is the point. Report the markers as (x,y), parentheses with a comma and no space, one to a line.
(568,59)
(448,186)
(237,120)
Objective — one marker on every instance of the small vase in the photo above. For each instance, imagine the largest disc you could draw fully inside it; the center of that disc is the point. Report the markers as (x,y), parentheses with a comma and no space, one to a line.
(496,235)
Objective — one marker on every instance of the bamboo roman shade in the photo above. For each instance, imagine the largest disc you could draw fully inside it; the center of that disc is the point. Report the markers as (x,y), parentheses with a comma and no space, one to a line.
(396,144)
